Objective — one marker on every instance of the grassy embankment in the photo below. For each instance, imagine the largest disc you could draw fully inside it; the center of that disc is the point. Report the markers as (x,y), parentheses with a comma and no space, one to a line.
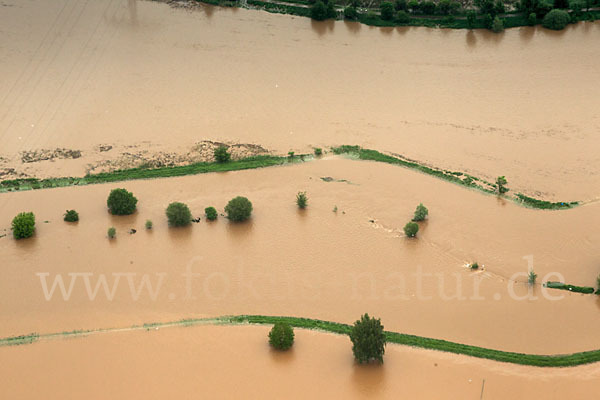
(537,360)
(372,17)
(459,178)
(147,173)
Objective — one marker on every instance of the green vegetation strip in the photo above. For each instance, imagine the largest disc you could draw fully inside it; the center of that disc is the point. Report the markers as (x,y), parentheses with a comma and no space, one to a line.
(147,173)
(458,178)
(570,288)
(372,16)
(561,360)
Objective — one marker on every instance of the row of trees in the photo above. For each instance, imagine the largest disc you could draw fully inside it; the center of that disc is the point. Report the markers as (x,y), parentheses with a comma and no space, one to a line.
(367,337)
(122,202)
(552,12)
(411,228)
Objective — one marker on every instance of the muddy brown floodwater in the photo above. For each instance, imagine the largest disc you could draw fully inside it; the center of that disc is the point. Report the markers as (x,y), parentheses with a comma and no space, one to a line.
(315,263)
(101,84)
(236,362)
(77,74)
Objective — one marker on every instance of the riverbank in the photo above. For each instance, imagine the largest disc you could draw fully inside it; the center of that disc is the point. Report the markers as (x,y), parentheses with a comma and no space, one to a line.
(372,16)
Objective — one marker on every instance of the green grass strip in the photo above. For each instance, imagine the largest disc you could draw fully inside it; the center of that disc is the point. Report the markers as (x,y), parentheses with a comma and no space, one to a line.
(570,288)
(148,173)
(561,360)
(458,178)
(18,340)
(537,360)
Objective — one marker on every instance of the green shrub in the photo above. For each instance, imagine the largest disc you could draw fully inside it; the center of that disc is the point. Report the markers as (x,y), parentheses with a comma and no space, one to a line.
(598,282)
(318,151)
(318,11)
(211,213)
(149,224)
(497,25)
(411,229)
(349,13)
(281,336)
(532,19)
(486,7)
(222,155)
(112,232)
(556,20)
(487,21)
(23,225)
(402,17)
(420,213)
(531,277)
(413,6)
(368,339)
(71,216)
(499,7)
(561,4)
(543,7)
(238,209)
(501,184)
(401,5)
(447,7)
(331,12)
(121,202)
(178,214)
(471,19)
(387,11)
(576,6)
(428,7)
(474,265)
(371,16)
(301,199)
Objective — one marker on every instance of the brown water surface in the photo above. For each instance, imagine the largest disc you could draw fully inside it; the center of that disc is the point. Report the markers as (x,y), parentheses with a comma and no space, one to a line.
(226,362)
(80,73)
(314,263)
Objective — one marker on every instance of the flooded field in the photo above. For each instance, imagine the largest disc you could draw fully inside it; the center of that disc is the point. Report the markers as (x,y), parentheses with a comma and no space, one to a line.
(141,76)
(317,263)
(236,362)
(92,86)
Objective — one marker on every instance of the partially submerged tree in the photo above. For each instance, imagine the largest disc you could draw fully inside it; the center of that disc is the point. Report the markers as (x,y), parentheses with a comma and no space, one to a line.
(211,213)
(301,200)
(497,25)
(368,339)
(71,216)
(23,225)
(420,213)
(178,214)
(531,277)
(281,336)
(411,229)
(556,20)
(501,184)
(238,209)
(121,202)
